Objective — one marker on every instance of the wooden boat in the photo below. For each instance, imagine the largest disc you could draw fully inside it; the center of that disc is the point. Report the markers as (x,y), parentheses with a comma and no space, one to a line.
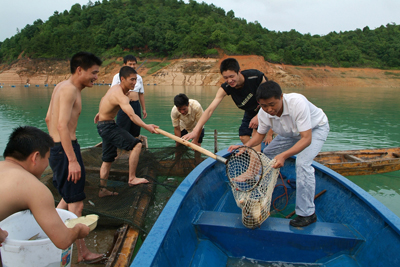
(201,226)
(362,161)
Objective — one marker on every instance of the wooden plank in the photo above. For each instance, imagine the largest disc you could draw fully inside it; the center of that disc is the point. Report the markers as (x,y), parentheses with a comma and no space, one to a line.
(397,155)
(120,240)
(127,249)
(354,158)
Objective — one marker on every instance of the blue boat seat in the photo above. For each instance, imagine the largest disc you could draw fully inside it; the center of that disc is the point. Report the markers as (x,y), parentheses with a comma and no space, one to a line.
(316,243)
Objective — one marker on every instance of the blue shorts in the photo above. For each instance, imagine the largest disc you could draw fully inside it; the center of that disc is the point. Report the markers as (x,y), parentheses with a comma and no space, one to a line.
(59,163)
(125,122)
(244,127)
(184,132)
(114,137)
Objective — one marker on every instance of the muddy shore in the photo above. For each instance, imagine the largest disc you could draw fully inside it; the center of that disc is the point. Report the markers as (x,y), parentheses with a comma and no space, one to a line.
(204,71)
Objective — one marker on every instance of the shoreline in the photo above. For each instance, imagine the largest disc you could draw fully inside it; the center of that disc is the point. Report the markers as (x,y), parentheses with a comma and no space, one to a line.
(204,72)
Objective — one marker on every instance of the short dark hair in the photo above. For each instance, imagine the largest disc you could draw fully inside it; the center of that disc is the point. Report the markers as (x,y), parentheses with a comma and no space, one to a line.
(267,90)
(129,58)
(126,71)
(181,100)
(85,60)
(25,140)
(229,64)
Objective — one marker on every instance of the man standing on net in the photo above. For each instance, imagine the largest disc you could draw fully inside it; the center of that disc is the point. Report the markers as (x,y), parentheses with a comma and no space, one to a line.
(136,100)
(65,157)
(302,130)
(113,135)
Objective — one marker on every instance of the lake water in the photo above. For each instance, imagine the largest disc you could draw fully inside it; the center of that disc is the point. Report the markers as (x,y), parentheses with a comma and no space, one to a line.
(359,118)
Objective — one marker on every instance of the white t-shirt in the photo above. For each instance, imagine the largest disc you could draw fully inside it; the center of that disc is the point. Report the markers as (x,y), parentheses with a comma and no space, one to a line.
(138,86)
(298,115)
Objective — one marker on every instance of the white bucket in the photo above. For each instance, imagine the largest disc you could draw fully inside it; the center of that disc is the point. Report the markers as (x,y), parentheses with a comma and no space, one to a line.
(17,250)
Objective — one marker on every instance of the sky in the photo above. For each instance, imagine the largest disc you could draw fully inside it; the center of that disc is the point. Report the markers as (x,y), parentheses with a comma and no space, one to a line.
(305,16)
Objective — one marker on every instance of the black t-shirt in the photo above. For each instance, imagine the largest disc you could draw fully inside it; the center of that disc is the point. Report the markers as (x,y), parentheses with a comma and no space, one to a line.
(245,97)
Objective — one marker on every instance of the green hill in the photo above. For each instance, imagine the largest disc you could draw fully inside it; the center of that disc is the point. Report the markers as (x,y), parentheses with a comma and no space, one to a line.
(174,29)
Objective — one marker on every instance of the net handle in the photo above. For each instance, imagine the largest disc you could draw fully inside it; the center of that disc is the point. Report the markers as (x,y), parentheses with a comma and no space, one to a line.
(191,145)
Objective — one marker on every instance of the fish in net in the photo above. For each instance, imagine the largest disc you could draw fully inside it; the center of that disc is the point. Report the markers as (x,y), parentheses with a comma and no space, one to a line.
(252,192)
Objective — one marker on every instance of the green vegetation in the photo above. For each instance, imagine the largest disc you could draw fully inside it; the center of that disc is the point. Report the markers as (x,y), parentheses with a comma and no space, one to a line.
(174,29)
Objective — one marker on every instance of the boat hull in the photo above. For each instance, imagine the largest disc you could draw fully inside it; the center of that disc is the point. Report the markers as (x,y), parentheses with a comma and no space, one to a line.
(201,226)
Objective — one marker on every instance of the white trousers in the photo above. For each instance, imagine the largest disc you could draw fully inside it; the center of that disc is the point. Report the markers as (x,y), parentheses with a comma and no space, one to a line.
(305,177)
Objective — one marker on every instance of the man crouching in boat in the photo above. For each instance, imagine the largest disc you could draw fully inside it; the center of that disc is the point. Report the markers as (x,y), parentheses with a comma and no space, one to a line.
(115,137)
(25,158)
(302,130)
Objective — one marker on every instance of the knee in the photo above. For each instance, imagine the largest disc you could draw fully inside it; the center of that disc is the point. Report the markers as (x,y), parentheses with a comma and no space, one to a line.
(244,138)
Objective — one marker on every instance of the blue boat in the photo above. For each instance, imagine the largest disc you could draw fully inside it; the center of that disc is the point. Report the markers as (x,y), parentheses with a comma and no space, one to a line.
(201,226)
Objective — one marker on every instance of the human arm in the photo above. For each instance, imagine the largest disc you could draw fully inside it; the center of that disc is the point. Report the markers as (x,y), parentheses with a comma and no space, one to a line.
(268,138)
(143,105)
(3,236)
(255,140)
(254,122)
(68,99)
(41,203)
(127,108)
(96,118)
(305,141)
(206,115)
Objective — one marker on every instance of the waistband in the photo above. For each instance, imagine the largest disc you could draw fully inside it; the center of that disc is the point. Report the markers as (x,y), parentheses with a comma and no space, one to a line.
(59,143)
(105,122)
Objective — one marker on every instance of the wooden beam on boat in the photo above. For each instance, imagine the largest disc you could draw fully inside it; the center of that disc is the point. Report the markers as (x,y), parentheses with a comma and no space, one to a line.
(353,158)
(123,249)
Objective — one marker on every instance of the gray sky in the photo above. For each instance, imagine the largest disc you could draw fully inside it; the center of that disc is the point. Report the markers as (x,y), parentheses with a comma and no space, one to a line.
(305,16)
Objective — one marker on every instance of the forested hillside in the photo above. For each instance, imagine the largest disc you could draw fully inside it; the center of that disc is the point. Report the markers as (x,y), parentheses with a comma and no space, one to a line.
(174,29)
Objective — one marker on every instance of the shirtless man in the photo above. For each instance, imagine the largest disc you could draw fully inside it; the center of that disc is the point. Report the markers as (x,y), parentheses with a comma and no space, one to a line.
(116,137)
(136,100)
(25,158)
(65,157)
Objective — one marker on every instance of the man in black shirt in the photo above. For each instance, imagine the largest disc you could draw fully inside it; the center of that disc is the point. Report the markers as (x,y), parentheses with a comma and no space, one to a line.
(242,87)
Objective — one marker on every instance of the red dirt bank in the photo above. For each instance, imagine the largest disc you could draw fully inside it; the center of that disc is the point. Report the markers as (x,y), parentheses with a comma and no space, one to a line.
(201,71)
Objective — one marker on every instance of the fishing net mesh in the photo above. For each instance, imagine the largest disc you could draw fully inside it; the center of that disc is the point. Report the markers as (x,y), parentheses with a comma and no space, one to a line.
(131,204)
(256,203)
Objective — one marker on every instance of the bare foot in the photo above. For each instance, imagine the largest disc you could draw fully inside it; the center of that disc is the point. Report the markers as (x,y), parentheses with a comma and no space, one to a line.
(105,193)
(136,181)
(91,258)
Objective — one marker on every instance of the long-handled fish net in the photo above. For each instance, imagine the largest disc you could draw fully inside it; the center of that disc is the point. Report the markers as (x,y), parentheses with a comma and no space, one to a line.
(253,195)
(252,180)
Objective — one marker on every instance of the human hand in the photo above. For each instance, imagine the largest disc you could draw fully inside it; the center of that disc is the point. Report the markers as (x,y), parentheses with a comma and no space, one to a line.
(144,114)
(74,171)
(82,230)
(3,236)
(189,136)
(233,147)
(152,128)
(96,118)
(280,161)
(268,139)
(254,123)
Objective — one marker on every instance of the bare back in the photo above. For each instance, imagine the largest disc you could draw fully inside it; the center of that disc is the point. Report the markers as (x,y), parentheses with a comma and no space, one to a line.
(16,181)
(64,110)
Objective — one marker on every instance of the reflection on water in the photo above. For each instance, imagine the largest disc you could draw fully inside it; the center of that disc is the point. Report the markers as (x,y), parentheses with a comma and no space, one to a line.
(359,118)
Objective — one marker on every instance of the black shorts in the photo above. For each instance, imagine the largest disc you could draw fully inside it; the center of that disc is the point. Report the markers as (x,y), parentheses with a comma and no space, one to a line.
(114,137)
(125,122)
(59,163)
(184,132)
(244,127)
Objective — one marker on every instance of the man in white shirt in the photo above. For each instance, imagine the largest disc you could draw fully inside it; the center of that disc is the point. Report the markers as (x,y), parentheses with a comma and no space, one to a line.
(185,115)
(302,130)
(136,100)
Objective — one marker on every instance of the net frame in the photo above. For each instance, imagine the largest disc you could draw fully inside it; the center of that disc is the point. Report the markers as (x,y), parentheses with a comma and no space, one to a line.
(256,203)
